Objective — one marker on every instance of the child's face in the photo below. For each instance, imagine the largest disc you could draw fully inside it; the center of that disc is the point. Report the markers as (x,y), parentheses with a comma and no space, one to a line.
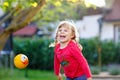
(64,34)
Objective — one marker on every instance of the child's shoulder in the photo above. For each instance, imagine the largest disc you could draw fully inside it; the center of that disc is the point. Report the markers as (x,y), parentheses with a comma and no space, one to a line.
(72,43)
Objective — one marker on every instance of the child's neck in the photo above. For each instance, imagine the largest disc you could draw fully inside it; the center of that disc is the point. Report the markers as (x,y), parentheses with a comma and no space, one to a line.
(63,45)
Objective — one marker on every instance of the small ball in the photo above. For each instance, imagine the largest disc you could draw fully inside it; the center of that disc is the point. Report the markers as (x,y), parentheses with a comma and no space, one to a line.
(21,61)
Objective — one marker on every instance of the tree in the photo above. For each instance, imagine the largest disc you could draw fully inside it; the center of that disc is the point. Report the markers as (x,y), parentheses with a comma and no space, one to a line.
(57,10)
(21,18)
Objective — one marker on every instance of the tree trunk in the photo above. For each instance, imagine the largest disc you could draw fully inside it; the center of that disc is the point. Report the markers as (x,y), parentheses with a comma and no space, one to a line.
(23,18)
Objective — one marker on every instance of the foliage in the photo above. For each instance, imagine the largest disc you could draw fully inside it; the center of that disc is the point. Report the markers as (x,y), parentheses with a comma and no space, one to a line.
(104,68)
(41,56)
(54,10)
(108,49)
(114,70)
(7,5)
(20,18)
(90,50)
(38,52)
(57,10)
(61,10)
(117,51)
(95,69)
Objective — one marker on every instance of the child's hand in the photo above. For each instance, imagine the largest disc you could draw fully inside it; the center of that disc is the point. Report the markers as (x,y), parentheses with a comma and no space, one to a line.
(59,77)
(89,78)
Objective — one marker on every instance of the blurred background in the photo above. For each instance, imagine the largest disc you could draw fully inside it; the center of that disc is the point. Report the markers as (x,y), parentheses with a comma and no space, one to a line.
(28,27)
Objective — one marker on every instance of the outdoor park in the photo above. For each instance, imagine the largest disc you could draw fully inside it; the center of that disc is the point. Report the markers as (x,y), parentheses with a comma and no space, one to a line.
(28,27)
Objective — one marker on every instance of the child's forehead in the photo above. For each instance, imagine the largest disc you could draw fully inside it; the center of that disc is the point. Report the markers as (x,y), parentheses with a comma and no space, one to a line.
(64,26)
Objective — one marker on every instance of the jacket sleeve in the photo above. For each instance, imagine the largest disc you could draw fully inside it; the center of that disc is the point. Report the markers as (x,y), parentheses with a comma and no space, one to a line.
(56,64)
(77,54)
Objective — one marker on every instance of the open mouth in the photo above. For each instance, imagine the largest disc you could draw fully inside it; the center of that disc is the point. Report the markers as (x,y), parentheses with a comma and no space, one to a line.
(62,36)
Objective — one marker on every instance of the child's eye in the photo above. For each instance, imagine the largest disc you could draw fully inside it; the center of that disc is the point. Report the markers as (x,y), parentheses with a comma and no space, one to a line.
(65,30)
(59,30)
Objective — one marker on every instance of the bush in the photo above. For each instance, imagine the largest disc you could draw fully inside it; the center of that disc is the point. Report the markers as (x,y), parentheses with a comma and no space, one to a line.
(41,56)
(95,70)
(110,51)
(90,50)
(117,54)
(104,68)
(114,71)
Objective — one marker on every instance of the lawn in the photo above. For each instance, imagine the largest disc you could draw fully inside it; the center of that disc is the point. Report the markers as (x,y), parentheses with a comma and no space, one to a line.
(16,74)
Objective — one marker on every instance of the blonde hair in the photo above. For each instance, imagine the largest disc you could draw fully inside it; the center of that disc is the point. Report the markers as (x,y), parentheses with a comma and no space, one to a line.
(73,27)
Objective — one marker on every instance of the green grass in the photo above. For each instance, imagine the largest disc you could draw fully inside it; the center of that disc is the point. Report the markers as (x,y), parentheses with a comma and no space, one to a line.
(16,74)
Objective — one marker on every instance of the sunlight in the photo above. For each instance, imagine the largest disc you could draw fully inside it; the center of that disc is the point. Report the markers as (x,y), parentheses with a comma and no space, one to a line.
(34,4)
(6,4)
(99,3)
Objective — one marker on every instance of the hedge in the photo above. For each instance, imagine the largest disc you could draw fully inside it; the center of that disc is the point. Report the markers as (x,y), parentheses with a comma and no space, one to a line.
(41,55)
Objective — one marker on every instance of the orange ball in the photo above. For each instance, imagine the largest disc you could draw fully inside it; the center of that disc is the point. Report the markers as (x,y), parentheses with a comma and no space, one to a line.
(21,61)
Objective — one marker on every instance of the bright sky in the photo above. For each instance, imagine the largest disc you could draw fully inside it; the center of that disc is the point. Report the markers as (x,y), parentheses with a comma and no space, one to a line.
(99,3)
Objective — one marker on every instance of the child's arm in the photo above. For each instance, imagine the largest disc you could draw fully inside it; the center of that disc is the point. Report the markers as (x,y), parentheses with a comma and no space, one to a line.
(79,45)
(81,59)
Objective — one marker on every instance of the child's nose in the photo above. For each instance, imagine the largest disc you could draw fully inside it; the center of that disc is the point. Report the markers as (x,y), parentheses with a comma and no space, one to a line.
(62,31)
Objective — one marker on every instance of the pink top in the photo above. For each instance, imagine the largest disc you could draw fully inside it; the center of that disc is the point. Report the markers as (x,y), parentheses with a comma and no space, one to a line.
(72,60)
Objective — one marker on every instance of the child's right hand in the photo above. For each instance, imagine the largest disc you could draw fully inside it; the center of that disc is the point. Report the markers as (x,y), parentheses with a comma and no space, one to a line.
(59,77)
(89,79)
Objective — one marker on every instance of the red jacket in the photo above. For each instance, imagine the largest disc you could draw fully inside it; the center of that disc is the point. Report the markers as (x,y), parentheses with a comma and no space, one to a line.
(72,60)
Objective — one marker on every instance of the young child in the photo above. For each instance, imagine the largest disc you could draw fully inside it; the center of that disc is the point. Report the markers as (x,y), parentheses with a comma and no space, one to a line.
(68,54)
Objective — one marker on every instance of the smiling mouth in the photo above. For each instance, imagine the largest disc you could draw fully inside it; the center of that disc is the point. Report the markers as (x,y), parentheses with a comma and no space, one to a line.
(62,37)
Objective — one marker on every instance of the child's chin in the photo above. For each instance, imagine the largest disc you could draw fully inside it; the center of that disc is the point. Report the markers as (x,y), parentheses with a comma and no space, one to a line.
(62,41)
